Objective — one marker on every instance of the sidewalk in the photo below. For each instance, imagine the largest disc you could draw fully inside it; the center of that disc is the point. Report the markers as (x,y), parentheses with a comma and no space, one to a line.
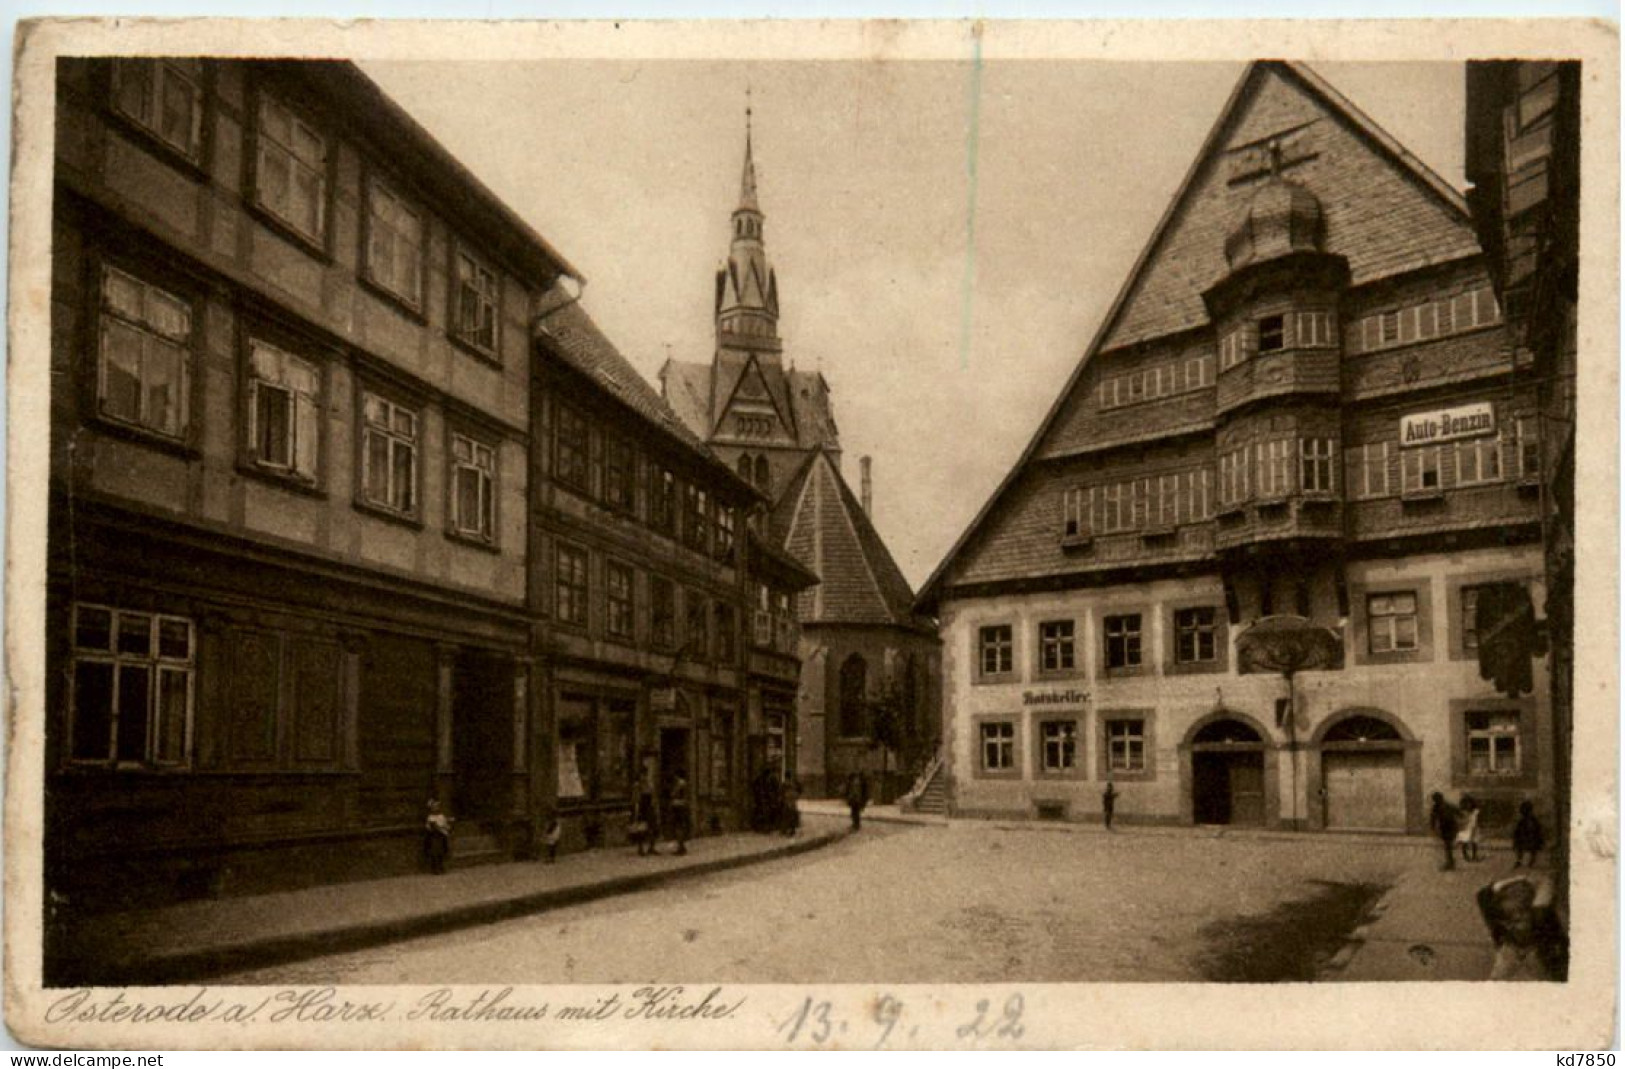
(1427,927)
(195,940)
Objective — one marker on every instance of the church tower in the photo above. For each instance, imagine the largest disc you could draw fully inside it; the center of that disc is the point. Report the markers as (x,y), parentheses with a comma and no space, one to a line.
(747,311)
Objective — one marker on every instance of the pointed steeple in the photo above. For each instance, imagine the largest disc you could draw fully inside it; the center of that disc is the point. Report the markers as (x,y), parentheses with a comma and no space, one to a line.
(747,293)
(747,180)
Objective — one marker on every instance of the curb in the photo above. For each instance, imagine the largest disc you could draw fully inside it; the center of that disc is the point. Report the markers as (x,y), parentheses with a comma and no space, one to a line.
(191,965)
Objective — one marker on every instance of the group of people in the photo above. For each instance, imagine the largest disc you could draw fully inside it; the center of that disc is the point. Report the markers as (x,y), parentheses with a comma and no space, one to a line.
(644,830)
(1457,825)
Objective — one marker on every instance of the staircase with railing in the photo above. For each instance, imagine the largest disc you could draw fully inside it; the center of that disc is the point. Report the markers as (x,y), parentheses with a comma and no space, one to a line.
(930,791)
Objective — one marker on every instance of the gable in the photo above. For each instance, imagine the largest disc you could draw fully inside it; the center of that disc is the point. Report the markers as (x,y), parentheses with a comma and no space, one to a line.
(1381,214)
(752,408)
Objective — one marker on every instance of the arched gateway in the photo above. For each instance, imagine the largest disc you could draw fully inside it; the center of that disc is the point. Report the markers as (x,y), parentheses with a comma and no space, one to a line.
(1369,774)
(1231,770)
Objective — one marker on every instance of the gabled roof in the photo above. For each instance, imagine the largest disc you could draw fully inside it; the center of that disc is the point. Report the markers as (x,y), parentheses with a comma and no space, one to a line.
(1420,221)
(570,334)
(819,521)
(804,395)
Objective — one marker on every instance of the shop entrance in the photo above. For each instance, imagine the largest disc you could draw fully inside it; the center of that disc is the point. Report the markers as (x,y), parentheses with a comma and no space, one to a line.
(1227,774)
(673,763)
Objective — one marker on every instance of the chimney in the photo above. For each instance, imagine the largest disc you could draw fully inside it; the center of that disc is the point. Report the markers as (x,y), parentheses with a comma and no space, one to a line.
(868,487)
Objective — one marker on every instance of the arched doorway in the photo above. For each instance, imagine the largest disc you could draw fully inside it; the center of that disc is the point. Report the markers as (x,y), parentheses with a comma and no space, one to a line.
(1365,778)
(1227,757)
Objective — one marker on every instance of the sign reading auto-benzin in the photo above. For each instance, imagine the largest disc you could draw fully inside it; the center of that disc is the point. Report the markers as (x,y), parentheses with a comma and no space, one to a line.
(1444,424)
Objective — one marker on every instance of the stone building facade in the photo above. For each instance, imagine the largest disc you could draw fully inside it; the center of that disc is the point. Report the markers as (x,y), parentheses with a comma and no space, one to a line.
(1244,570)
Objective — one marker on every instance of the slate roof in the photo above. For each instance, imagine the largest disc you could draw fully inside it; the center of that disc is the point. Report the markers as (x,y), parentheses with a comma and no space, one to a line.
(1385,212)
(580,344)
(820,522)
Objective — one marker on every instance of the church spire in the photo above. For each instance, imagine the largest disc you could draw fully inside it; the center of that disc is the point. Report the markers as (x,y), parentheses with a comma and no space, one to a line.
(747,180)
(747,292)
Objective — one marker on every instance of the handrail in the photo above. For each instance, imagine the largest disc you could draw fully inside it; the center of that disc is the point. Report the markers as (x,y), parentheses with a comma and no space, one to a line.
(924,779)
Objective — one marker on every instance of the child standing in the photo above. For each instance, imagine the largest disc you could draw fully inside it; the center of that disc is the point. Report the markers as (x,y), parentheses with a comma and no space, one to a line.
(1527,835)
(1467,833)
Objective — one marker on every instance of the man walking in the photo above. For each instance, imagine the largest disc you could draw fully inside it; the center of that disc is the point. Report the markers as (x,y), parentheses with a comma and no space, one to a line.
(857,796)
(1443,820)
(1108,803)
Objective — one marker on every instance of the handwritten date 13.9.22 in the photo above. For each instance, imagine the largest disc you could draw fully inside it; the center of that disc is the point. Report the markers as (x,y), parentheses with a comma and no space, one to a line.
(819,1023)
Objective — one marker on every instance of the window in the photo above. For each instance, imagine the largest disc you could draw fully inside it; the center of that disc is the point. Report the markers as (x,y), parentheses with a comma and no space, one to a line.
(394,244)
(696,516)
(662,500)
(1525,448)
(662,612)
(726,631)
(1478,460)
(1075,504)
(165,98)
(1125,745)
(1115,508)
(724,546)
(619,474)
(998,746)
(618,600)
(1367,469)
(1421,470)
(1313,330)
(1315,463)
(1123,641)
(1234,348)
(1392,620)
(1469,617)
(570,585)
(1058,745)
(997,645)
(1055,646)
(284,432)
(132,687)
(474,474)
(1271,334)
(290,179)
(142,356)
(696,638)
(1275,468)
(1196,635)
(389,455)
(474,303)
(1492,743)
(570,452)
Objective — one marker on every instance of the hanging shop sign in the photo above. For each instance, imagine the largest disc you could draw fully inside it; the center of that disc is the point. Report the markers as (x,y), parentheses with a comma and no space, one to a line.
(1446,424)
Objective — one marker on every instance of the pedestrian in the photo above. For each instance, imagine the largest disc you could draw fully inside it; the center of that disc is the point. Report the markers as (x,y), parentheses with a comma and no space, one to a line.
(1443,820)
(857,796)
(790,813)
(1108,803)
(680,813)
(1530,943)
(1527,835)
(554,833)
(1467,829)
(642,828)
(436,837)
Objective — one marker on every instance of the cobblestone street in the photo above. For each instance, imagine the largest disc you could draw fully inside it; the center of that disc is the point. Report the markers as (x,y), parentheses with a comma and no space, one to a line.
(958,903)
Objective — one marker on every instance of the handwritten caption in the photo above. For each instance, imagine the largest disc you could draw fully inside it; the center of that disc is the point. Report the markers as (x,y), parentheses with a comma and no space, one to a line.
(819,1023)
(322,1005)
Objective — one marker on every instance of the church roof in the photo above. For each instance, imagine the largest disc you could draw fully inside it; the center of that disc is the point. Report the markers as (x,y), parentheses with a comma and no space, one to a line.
(819,521)
(1385,212)
(801,396)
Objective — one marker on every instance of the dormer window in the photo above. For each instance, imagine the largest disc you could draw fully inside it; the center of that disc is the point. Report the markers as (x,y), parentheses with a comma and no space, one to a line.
(1271,334)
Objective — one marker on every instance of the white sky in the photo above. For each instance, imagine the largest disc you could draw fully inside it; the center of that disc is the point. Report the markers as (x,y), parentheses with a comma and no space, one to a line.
(631,170)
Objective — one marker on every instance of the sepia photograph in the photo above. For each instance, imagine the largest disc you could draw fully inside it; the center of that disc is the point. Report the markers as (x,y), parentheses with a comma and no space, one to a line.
(705,538)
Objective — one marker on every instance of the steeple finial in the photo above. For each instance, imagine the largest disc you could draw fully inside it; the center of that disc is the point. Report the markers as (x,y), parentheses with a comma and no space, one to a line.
(747,180)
